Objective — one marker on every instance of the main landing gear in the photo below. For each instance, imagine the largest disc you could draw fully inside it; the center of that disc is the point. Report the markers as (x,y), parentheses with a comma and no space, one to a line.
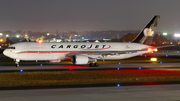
(94,65)
(17,63)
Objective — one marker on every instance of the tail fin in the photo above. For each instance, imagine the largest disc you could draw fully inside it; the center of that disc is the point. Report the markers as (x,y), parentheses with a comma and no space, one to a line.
(146,35)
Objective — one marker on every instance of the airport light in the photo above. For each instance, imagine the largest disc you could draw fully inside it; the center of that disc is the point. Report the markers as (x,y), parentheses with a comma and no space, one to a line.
(7,35)
(21,70)
(97,41)
(17,36)
(118,85)
(176,35)
(153,59)
(47,34)
(164,34)
(1,34)
(75,36)
(1,40)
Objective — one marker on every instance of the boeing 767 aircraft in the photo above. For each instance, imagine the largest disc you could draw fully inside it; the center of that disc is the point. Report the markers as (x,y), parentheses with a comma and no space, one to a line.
(83,52)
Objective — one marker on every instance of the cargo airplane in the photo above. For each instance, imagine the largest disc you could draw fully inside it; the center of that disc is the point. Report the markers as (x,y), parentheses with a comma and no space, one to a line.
(83,52)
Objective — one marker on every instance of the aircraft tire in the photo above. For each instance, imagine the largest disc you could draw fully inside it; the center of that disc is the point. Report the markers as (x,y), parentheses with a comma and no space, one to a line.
(17,65)
(96,64)
(93,64)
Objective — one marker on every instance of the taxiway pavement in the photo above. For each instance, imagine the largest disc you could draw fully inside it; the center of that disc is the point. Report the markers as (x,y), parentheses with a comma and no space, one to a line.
(102,66)
(122,93)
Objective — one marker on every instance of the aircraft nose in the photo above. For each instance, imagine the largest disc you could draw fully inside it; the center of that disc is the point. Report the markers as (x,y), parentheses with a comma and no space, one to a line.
(5,52)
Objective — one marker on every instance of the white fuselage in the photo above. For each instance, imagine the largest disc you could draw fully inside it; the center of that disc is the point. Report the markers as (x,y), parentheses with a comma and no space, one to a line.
(59,51)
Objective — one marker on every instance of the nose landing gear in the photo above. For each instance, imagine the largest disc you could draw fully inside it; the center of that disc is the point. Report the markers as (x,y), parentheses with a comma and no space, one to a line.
(17,63)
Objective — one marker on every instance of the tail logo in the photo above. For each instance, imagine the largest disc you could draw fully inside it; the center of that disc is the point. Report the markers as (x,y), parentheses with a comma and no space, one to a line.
(148,32)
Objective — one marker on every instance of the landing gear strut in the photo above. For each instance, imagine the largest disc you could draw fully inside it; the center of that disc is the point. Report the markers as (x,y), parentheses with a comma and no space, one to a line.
(17,63)
(93,64)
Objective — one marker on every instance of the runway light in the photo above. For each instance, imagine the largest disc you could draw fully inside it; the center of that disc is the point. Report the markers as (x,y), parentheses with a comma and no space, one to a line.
(118,85)
(119,63)
(21,70)
(166,55)
(139,67)
(40,64)
(153,59)
(117,68)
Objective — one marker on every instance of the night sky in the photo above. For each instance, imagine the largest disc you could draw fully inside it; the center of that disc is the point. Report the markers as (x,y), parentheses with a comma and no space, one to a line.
(88,15)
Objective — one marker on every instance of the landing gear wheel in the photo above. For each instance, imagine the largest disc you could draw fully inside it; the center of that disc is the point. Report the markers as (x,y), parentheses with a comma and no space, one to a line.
(96,64)
(17,65)
(93,64)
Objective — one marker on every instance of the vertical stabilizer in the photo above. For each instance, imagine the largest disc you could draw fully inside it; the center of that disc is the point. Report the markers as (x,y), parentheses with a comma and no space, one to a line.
(146,35)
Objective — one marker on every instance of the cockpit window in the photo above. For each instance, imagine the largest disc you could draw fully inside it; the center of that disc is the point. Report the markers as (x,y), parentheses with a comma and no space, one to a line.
(11,47)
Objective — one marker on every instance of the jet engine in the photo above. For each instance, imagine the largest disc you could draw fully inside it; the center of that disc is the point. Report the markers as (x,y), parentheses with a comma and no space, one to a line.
(81,59)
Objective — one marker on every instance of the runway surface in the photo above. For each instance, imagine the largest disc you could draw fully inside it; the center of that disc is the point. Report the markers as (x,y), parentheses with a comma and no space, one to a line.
(122,93)
(112,66)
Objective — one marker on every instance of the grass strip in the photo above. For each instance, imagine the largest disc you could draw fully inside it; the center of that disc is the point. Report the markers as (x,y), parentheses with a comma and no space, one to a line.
(86,77)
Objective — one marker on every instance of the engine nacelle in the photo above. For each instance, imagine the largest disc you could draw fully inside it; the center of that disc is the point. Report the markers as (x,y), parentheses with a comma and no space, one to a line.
(81,59)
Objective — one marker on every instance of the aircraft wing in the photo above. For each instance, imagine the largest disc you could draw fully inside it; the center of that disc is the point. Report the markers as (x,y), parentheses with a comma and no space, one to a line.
(165,46)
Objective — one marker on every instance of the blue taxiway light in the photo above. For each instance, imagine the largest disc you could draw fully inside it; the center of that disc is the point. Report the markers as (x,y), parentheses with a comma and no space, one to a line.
(21,70)
(118,85)
(40,64)
(70,69)
(166,55)
(160,62)
(118,68)
(139,67)
(119,63)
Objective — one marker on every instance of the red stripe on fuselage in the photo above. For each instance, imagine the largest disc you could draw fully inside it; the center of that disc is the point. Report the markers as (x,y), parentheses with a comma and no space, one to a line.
(55,52)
